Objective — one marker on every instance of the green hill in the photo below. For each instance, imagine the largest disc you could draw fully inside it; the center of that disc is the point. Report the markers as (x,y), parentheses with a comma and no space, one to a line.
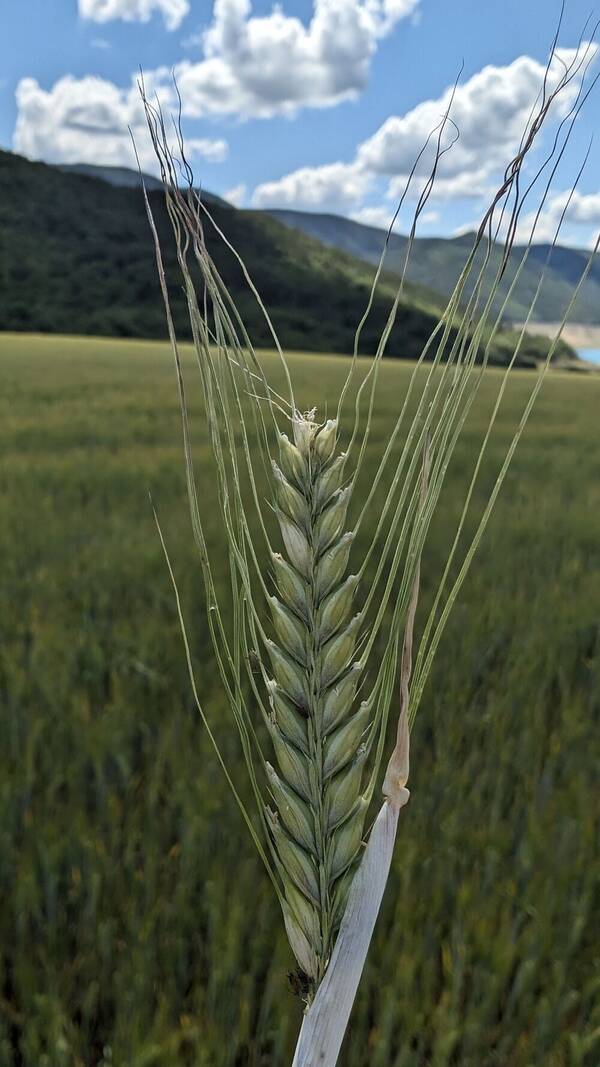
(438,261)
(76,256)
(127,178)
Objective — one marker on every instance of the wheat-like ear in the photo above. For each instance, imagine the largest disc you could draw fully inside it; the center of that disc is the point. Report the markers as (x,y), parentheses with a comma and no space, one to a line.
(313,653)
(318,813)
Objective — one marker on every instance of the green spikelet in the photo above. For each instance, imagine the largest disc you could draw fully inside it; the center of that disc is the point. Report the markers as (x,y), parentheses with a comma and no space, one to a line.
(290,720)
(330,480)
(343,790)
(339,698)
(341,745)
(305,914)
(317,733)
(291,585)
(334,610)
(331,566)
(295,814)
(289,629)
(298,864)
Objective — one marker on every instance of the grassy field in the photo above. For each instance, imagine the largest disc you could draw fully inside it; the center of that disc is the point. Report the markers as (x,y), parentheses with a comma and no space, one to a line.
(137,928)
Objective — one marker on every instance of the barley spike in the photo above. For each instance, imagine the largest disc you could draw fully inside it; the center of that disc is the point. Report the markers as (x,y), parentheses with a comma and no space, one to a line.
(316,731)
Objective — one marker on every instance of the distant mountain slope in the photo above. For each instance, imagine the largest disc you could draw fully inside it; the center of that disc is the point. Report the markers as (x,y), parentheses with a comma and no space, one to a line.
(76,256)
(437,262)
(125,177)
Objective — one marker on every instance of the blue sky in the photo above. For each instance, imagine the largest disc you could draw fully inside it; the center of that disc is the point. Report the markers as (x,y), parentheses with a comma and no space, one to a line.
(318,105)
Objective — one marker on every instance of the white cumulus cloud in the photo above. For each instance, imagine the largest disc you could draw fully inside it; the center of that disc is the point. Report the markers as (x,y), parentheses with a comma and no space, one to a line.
(275,64)
(87,120)
(335,187)
(212,150)
(378,216)
(172,11)
(581,219)
(583,208)
(490,109)
(250,66)
(236,195)
(469,185)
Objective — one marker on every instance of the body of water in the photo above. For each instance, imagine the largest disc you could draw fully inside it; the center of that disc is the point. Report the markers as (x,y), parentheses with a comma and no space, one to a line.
(591,354)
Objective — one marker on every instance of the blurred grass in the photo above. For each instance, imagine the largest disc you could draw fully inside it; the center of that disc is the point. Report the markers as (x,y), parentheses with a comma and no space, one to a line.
(137,927)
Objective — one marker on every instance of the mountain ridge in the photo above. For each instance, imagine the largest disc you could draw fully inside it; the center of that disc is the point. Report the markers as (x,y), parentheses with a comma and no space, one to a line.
(76,256)
(442,259)
(126,177)
(435,262)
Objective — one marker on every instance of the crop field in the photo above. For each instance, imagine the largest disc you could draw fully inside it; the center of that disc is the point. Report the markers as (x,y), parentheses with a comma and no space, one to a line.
(137,927)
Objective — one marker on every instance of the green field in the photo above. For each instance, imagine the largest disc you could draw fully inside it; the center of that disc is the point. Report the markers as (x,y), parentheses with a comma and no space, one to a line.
(137,927)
